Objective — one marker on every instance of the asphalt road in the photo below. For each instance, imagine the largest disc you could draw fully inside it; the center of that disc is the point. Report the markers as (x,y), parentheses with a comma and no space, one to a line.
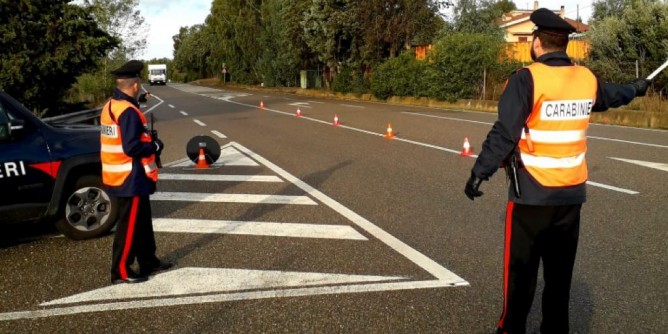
(306,227)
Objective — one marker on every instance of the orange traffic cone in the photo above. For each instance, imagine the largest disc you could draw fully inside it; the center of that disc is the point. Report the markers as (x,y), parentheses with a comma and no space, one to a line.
(261,104)
(336,120)
(299,113)
(466,151)
(201,161)
(389,134)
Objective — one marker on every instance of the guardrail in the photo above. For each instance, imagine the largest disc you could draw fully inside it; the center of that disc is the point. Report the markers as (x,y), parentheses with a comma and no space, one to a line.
(90,116)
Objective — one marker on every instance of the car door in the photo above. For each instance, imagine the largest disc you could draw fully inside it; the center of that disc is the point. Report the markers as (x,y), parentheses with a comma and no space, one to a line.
(26,184)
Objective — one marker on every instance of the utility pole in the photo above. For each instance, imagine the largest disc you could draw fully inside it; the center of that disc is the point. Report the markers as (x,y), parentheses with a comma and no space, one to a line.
(484,82)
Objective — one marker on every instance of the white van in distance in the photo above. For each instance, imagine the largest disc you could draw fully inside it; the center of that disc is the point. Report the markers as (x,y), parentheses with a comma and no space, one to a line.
(157,74)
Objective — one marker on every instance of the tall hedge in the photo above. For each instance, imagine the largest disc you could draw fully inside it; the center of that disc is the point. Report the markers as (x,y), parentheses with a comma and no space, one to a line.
(458,63)
(400,76)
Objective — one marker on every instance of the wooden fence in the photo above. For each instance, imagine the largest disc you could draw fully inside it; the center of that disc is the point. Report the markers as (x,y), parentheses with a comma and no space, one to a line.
(521,51)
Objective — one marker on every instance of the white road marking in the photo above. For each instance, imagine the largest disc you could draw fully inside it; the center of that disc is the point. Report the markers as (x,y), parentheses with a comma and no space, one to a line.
(444,149)
(274,229)
(351,106)
(220,178)
(220,135)
(301,104)
(488,123)
(155,106)
(171,106)
(183,113)
(229,156)
(448,118)
(655,165)
(188,281)
(605,186)
(232,198)
(445,278)
(628,127)
(433,146)
(628,142)
(416,257)
(316,102)
(198,122)
(225,297)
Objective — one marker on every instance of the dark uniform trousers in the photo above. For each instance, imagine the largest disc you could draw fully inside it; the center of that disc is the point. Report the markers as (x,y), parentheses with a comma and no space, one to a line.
(534,233)
(134,237)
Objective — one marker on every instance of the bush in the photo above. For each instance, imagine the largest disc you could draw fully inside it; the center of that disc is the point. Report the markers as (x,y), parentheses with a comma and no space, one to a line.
(349,81)
(458,62)
(400,76)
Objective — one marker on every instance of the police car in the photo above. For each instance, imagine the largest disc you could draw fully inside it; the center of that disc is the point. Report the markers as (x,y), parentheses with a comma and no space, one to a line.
(52,172)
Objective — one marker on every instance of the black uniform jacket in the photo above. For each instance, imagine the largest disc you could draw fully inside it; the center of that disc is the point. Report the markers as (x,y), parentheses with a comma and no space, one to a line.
(132,129)
(515,107)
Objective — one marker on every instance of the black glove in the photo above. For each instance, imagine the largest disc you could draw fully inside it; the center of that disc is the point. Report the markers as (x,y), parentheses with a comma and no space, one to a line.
(641,86)
(159,146)
(472,185)
(142,97)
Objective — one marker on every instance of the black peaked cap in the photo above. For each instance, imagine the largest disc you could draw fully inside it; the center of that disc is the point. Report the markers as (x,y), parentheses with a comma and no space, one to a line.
(131,69)
(546,19)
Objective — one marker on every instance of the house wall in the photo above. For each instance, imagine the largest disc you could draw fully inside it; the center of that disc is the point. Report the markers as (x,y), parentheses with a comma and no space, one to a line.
(522,29)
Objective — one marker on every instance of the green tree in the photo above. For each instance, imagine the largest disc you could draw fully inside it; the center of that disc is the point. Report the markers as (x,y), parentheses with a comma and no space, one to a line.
(605,8)
(639,32)
(332,30)
(292,34)
(122,20)
(478,16)
(46,45)
(391,26)
(192,56)
(278,65)
(235,30)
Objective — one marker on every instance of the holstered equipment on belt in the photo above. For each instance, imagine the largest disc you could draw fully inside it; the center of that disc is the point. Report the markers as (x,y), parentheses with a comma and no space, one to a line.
(512,165)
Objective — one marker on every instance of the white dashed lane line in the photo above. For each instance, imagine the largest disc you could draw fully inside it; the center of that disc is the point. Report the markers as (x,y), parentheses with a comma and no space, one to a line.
(183,113)
(220,135)
(200,123)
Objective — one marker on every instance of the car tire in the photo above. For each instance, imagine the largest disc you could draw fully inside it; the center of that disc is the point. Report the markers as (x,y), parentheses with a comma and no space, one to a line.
(87,210)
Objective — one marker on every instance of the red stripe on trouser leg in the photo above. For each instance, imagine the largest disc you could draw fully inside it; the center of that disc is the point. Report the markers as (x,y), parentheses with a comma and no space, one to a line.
(506,259)
(128,237)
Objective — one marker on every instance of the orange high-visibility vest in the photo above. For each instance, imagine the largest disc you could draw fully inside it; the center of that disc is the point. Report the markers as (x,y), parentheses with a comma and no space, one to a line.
(554,141)
(116,165)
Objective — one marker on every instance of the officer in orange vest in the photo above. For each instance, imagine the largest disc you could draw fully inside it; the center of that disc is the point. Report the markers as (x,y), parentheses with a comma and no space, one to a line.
(129,171)
(540,136)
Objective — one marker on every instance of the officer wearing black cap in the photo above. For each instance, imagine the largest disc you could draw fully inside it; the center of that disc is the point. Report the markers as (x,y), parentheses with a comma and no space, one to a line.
(128,153)
(540,138)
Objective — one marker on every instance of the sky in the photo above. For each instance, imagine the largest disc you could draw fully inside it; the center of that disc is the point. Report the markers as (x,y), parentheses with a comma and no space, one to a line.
(165,17)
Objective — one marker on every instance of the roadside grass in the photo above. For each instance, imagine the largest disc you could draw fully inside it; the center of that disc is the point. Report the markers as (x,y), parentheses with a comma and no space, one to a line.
(645,112)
